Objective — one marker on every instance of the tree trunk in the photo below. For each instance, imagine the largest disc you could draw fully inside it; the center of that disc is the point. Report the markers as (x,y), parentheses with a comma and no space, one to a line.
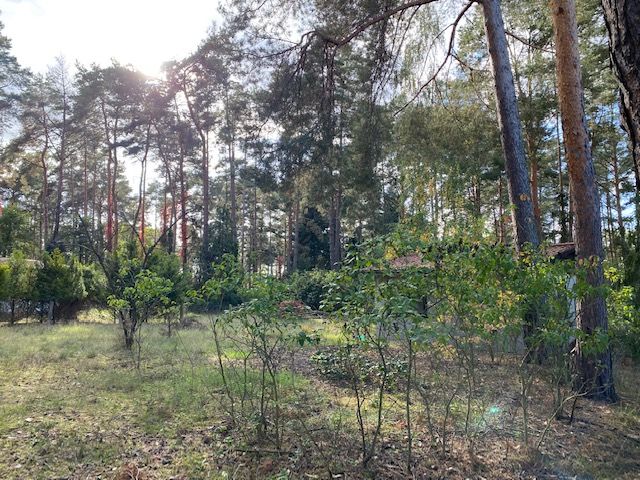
(510,128)
(45,181)
(535,198)
(565,230)
(85,187)
(595,374)
(110,174)
(618,193)
(142,189)
(51,305)
(232,190)
(296,234)
(205,193)
(501,232)
(253,239)
(609,219)
(183,214)
(61,163)
(114,192)
(622,18)
(288,241)
(335,243)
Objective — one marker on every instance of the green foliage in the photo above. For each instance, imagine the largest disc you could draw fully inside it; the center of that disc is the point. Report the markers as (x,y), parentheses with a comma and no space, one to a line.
(263,330)
(95,283)
(313,244)
(59,280)
(349,363)
(311,287)
(141,285)
(17,278)
(624,316)
(14,230)
(21,277)
(224,285)
(147,296)
(4,280)
(221,241)
(167,266)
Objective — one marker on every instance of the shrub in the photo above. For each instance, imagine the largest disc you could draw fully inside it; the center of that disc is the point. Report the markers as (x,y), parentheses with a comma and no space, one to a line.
(140,285)
(310,287)
(59,283)
(16,283)
(624,316)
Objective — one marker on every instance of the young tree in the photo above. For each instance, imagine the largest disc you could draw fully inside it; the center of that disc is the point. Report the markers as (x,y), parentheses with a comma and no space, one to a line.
(59,282)
(16,282)
(594,369)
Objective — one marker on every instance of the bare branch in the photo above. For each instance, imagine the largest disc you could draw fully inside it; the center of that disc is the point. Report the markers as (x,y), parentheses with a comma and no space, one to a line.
(448,55)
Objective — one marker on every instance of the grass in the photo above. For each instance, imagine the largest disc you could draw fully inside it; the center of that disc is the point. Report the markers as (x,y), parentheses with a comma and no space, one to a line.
(73,406)
(70,396)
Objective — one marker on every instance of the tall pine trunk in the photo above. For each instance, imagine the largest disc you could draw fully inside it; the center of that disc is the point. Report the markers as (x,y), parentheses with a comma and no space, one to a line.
(61,164)
(563,220)
(511,131)
(595,374)
(45,181)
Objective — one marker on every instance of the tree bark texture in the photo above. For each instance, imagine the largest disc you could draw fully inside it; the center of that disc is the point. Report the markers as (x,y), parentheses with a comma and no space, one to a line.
(622,18)
(595,375)
(510,127)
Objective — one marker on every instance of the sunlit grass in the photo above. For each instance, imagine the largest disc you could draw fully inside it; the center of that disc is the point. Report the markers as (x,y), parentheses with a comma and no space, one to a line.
(71,394)
(72,397)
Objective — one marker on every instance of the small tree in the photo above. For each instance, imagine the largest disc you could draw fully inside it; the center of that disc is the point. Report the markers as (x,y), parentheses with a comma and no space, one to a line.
(168,266)
(141,283)
(59,282)
(14,231)
(148,295)
(20,281)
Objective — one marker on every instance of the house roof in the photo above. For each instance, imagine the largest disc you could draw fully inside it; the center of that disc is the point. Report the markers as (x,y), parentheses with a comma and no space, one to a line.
(562,251)
(29,261)
(412,260)
(557,251)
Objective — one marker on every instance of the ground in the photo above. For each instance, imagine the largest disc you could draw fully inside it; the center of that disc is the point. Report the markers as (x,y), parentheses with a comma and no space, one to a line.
(73,406)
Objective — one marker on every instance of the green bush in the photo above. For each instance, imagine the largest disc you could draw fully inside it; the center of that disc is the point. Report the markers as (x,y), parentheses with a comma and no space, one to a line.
(223,288)
(311,287)
(624,316)
(95,283)
(141,285)
(349,363)
(59,282)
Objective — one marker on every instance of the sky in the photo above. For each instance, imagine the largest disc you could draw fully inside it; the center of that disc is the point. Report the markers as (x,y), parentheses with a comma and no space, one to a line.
(143,33)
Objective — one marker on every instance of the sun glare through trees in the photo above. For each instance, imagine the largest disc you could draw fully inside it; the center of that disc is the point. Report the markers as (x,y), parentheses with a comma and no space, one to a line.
(286,239)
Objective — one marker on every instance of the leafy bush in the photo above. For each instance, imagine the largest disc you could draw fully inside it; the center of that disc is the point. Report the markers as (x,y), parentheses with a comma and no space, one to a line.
(59,282)
(142,284)
(16,283)
(95,283)
(624,316)
(348,363)
(223,287)
(14,231)
(311,287)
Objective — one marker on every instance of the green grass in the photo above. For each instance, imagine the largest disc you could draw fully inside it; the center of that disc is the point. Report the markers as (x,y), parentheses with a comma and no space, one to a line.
(73,405)
(70,395)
